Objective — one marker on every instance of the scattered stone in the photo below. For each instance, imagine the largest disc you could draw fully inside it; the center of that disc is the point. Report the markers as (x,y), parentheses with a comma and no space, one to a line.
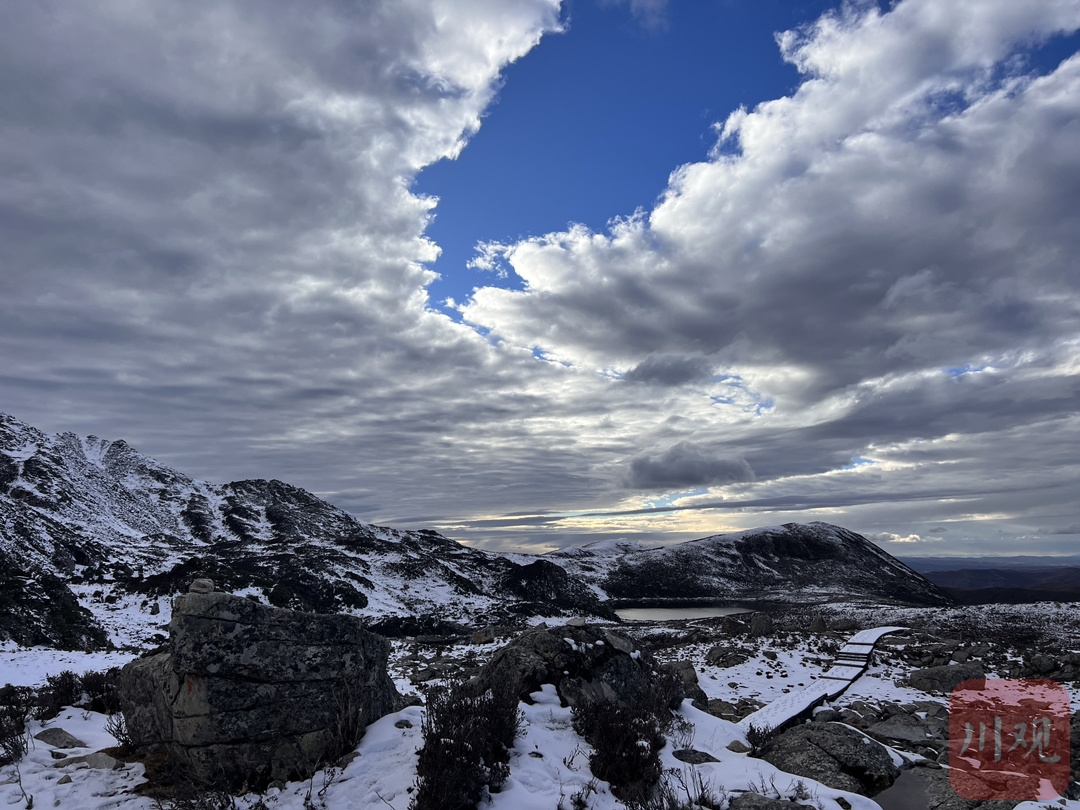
(155,609)
(58,738)
(64,780)
(201,586)
(577,621)
(403,723)
(833,754)
(253,692)
(58,755)
(738,747)
(945,678)
(770,654)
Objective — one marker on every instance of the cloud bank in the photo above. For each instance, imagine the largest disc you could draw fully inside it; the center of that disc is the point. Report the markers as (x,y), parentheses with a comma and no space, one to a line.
(861,306)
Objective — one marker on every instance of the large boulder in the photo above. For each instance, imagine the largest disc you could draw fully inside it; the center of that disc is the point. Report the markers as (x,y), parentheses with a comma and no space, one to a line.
(586,664)
(946,678)
(833,754)
(247,693)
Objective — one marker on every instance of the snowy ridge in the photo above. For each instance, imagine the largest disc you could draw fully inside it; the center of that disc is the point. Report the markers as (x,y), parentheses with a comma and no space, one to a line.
(98,522)
(800,563)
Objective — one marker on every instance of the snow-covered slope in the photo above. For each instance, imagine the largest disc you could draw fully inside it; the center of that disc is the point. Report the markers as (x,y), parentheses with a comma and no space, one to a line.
(89,522)
(122,530)
(791,563)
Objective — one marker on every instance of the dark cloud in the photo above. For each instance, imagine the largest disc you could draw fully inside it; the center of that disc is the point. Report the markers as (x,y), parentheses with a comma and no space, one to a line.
(863,304)
(685,465)
(667,369)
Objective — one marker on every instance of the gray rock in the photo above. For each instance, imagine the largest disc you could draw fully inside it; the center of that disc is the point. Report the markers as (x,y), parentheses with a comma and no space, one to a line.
(58,738)
(738,747)
(818,625)
(620,643)
(485,635)
(102,762)
(833,754)
(761,624)
(684,670)
(155,609)
(64,780)
(903,727)
(1042,664)
(252,692)
(692,756)
(945,678)
(98,760)
(721,656)
(201,586)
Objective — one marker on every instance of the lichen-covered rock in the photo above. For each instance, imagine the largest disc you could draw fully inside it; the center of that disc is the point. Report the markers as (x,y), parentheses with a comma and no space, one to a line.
(249,692)
(833,754)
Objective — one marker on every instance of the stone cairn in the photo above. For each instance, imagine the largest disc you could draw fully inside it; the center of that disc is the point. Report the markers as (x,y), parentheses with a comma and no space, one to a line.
(248,693)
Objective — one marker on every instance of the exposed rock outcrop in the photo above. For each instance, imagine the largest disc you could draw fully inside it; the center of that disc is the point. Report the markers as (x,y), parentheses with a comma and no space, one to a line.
(835,755)
(249,693)
(585,663)
(946,678)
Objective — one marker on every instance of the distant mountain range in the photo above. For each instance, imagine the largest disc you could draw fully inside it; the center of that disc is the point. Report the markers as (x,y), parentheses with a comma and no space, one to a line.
(987,580)
(94,536)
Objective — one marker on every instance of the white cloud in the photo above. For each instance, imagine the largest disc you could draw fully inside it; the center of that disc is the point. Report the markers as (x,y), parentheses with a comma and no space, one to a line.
(209,247)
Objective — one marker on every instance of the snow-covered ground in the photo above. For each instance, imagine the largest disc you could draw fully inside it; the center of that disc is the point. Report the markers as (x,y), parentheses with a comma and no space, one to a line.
(549,761)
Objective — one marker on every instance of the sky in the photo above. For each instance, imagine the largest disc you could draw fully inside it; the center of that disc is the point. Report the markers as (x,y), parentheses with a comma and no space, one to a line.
(536,273)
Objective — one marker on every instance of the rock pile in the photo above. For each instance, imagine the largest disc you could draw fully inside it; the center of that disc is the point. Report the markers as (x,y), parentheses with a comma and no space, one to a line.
(248,693)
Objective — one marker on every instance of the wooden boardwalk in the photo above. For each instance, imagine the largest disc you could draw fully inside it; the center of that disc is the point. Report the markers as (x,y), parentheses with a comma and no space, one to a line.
(850,662)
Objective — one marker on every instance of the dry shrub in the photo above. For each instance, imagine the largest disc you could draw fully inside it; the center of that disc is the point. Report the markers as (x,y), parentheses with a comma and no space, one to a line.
(467,741)
(626,743)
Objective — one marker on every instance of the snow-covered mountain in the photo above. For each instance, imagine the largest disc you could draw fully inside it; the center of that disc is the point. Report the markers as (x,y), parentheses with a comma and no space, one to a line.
(813,562)
(88,523)
(120,531)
